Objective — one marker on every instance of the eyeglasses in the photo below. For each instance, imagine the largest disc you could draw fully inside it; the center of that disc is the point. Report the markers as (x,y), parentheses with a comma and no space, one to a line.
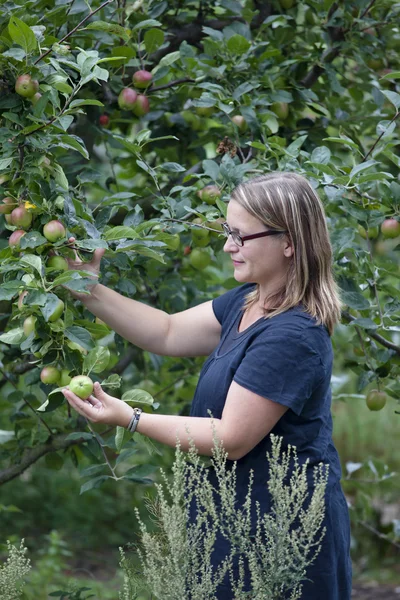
(240,239)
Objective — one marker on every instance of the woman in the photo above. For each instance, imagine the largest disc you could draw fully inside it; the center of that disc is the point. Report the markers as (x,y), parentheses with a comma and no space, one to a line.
(269,355)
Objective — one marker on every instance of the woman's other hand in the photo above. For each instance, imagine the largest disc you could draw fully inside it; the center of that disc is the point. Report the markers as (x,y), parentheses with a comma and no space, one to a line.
(101,407)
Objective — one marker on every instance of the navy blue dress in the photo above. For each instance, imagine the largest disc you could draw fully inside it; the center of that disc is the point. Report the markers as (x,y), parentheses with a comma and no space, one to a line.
(287,359)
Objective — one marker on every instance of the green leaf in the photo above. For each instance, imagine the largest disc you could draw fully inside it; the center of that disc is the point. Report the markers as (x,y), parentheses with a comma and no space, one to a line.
(97,359)
(69,141)
(31,260)
(147,23)
(393,97)
(90,244)
(5,436)
(91,102)
(120,232)
(362,167)
(35,298)
(172,167)
(322,155)
(343,140)
(79,435)
(22,35)
(60,177)
(139,396)
(355,300)
(169,59)
(237,44)
(364,323)
(14,336)
(32,239)
(153,39)
(120,434)
(9,290)
(80,336)
(5,163)
(392,75)
(112,28)
(94,483)
(113,382)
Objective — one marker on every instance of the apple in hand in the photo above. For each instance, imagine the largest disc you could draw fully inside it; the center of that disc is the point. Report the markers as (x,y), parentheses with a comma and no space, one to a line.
(57,262)
(54,231)
(81,386)
(50,375)
(26,87)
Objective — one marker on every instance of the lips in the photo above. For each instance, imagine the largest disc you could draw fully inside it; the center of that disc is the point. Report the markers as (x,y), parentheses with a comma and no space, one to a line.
(237,262)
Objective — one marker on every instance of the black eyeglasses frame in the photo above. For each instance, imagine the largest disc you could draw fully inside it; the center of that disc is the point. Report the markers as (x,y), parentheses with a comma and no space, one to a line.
(243,238)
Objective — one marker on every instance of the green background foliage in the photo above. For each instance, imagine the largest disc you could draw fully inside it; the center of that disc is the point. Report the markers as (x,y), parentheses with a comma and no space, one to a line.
(317,86)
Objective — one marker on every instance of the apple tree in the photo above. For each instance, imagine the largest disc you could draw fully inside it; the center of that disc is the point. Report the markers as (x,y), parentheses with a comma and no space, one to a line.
(125,125)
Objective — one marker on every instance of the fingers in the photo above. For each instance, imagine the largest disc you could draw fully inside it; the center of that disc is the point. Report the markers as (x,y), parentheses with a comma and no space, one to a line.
(86,408)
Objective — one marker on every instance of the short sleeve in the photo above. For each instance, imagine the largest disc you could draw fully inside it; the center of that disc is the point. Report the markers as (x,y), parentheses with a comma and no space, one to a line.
(282,368)
(230,302)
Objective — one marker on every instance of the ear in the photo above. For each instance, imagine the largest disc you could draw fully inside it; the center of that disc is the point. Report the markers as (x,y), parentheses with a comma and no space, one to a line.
(288,249)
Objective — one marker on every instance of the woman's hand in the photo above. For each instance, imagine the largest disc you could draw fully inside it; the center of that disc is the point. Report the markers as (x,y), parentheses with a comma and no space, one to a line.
(100,407)
(92,266)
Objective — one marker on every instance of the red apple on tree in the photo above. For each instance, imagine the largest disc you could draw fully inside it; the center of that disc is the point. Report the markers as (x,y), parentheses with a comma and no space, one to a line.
(15,237)
(35,98)
(142,79)
(54,231)
(104,120)
(281,109)
(26,87)
(20,217)
(81,386)
(127,99)
(141,106)
(50,375)
(390,228)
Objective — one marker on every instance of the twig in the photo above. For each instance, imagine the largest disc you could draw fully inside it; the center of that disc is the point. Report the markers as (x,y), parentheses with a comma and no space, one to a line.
(367,9)
(28,403)
(171,84)
(380,535)
(346,315)
(66,15)
(102,450)
(93,12)
(381,135)
(59,442)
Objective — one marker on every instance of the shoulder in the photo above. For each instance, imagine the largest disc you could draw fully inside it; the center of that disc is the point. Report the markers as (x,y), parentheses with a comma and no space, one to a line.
(231,301)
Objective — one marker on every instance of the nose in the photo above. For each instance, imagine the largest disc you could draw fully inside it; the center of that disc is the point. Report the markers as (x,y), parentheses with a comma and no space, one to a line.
(230,246)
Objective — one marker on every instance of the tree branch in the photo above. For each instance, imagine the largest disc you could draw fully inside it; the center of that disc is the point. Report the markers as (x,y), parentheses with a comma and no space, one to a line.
(383,341)
(57,443)
(93,12)
(171,84)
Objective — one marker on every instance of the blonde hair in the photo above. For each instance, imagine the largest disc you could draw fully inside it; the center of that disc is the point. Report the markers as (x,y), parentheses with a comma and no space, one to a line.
(287,201)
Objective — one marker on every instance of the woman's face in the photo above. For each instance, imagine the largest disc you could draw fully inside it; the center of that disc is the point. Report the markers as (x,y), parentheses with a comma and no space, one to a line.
(263,260)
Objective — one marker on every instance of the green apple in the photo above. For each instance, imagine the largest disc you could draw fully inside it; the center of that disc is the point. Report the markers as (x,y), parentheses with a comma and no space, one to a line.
(281,109)
(390,228)
(81,386)
(54,231)
(199,259)
(57,312)
(26,87)
(376,400)
(57,262)
(209,194)
(373,232)
(240,123)
(50,375)
(7,206)
(29,325)
(205,111)
(65,378)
